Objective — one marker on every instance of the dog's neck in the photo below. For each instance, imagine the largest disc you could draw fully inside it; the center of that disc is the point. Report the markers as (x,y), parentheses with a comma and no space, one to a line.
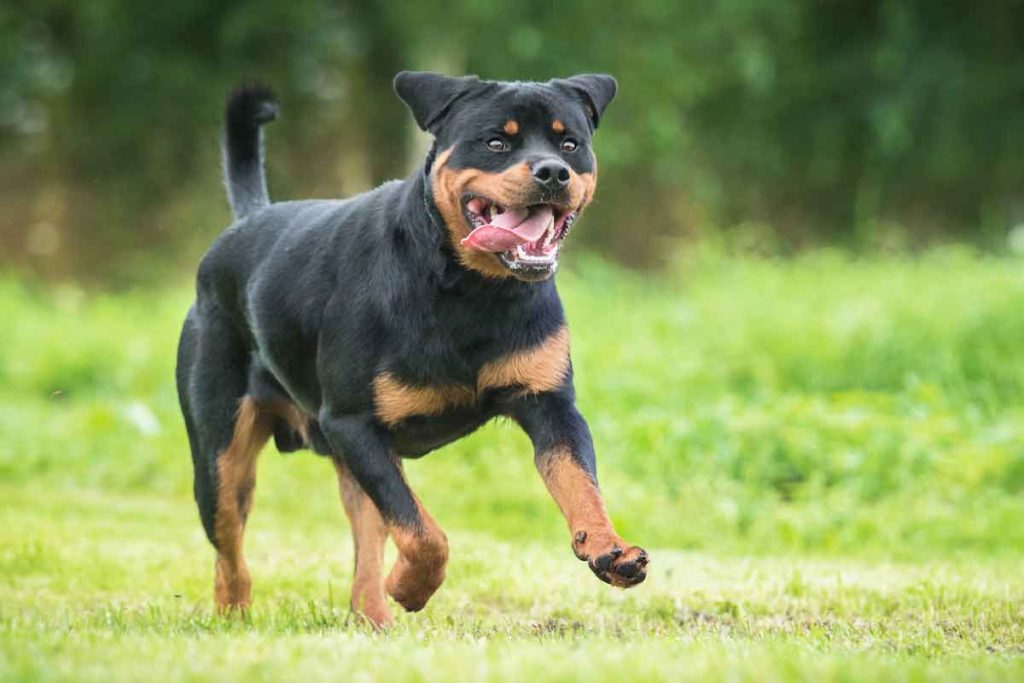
(436,220)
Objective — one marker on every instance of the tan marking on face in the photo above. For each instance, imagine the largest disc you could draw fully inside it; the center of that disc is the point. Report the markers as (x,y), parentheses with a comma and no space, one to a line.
(581,189)
(583,185)
(236,473)
(558,126)
(509,187)
(536,369)
(395,401)
(511,127)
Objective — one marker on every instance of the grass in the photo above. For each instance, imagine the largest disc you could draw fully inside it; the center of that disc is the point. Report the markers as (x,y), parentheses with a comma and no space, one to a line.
(825,457)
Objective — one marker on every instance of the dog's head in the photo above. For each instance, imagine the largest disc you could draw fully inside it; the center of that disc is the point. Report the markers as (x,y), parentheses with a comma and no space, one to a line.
(514,165)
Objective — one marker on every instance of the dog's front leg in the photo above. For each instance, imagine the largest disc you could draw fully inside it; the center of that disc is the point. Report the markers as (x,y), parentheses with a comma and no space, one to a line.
(364,447)
(564,455)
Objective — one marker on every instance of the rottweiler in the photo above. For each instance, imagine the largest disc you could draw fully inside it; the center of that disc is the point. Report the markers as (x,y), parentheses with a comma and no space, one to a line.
(389,324)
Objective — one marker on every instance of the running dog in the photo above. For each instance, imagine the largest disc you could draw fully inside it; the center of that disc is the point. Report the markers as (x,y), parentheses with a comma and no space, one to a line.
(389,324)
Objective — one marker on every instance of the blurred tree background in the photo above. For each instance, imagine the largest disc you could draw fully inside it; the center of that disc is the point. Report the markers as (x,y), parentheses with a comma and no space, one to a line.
(771,125)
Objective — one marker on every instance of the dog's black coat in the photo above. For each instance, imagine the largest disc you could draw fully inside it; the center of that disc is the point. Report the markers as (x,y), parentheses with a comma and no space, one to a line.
(307,302)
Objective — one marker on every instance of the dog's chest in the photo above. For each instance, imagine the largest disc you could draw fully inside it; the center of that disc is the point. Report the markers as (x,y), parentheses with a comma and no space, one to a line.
(534,369)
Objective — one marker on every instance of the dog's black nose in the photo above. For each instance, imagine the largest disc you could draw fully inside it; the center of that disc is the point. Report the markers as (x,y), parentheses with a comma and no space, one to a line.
(551,174)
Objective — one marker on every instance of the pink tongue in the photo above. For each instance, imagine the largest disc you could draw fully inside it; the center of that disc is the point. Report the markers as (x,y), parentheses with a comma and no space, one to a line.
(508,230)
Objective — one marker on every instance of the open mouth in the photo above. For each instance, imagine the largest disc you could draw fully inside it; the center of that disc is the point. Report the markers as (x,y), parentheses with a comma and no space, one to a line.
(525,238)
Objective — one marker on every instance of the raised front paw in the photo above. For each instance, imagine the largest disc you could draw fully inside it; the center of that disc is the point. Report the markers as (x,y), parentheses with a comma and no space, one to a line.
(612,560)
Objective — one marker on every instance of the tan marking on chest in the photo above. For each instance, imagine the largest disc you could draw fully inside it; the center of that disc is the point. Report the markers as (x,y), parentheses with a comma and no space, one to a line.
(536,369)
(395,401)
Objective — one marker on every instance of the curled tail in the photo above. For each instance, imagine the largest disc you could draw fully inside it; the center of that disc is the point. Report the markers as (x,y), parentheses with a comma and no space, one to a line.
(247,109)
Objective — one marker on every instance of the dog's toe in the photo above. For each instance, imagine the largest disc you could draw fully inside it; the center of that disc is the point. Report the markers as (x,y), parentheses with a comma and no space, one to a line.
(622,568)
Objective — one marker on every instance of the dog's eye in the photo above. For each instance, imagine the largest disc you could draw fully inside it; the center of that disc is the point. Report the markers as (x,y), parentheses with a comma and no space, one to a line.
(497,145)
(569,145)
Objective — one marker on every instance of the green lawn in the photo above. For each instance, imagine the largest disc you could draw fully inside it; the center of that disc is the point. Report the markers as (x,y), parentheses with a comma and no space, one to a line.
(824,456)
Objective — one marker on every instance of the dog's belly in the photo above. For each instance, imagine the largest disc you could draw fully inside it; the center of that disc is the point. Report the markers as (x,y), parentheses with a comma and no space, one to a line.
(418,435)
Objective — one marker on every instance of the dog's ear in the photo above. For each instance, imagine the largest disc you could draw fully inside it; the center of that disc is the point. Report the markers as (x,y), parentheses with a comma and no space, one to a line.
(595,90)
(429,95)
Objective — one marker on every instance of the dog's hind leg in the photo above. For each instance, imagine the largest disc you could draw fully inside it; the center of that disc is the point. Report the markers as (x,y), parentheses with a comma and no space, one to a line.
(226,432)
(236,473)
(369,534)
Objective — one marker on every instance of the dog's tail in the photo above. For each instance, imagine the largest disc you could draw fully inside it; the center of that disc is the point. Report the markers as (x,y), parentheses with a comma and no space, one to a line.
(247,109)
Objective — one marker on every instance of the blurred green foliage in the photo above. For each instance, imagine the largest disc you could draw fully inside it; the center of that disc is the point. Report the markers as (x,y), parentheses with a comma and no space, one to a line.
(866,123)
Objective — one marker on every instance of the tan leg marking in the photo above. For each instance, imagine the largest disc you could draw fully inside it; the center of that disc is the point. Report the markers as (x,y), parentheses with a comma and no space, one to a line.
(422,556)
(369,534)
(594,539)
(236,469)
